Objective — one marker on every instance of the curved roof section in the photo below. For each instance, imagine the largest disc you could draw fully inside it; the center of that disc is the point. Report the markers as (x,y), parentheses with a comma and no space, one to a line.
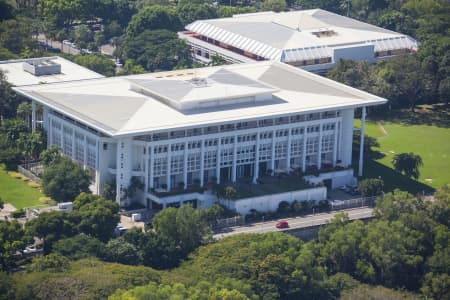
(289,36)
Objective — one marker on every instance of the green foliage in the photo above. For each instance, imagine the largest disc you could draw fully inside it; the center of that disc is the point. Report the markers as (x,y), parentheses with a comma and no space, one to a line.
(63,180)
(371,187)
(119,250)
(6,287)
(273,5)
(52,263)
(97,62)
(408,164)
(83,279)
(50,155)
(12,239)
(79,246)
(184,226)
(364,292)
(179,291)
(190,12)
(153,18)
(224,11)
(156,50)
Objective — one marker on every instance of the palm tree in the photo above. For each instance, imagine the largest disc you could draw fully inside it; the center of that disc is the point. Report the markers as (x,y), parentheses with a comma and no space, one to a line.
(408,164)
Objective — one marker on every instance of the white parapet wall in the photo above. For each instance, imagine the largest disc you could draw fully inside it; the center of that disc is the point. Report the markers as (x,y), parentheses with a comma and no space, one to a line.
(338,178)
(270,202)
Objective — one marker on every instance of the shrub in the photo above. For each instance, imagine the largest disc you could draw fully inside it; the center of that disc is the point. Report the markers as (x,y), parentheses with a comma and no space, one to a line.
(371,187)
(19,213)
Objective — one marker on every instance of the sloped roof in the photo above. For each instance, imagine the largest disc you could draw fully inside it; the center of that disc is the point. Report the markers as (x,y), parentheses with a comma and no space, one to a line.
(112,107)
(288,36)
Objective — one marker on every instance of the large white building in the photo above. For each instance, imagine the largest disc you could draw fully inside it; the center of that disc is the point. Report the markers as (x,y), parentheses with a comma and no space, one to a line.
(185,127)
(314,39)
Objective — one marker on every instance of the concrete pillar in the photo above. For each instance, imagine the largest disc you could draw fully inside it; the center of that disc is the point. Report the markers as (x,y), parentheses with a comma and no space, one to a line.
(185,164)
(146,170)
(202,163)
(219,144)
(319,150)
(152,163)
(347,137)
(335,143)
(256,168)
(85,154)
(234,167)
(73,143)
(361,146)
(288,152)
(272,161)
(33,115)
(305,138)
(169,166)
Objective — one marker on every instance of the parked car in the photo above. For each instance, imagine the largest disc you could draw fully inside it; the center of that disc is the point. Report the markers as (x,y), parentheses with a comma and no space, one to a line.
(119,230)
(67,42)
(282,224)
(33,249)
(87,51)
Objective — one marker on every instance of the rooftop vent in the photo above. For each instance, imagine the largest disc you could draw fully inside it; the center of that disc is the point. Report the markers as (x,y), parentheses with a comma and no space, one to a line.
(324,32)
(198,82)
(42,66)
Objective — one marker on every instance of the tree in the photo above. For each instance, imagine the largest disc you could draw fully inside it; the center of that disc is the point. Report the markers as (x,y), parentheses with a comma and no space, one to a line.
(50,155)
(97,62)
(274,5)
(79,246)
(230,193)
(52,262)
(408,164)
(63,180)
(2,203)
(184,226)
(156,50)
(12,239)
(153,18)
(8,102)
(118,250)
(190,12)
(371,187)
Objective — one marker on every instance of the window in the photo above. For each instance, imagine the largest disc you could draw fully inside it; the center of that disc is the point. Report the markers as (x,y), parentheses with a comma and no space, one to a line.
(312,145)
(265,152)
(210,159)
(226,157)
(280,150)
(296,148)
(160,167)
(177,164)
(327,143)
(193,163)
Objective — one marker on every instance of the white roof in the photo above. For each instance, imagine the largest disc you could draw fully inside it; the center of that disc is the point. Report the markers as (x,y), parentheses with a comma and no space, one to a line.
(113,106)
(16,75)
(289,36)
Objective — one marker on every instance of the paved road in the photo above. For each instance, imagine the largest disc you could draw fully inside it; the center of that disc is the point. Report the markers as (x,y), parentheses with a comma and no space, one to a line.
(295,223)
(56,44)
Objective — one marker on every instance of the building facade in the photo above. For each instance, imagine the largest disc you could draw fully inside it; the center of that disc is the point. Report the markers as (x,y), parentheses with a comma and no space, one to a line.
(314,40)
(174,130)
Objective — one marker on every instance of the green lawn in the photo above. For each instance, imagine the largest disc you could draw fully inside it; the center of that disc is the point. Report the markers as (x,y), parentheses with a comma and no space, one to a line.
(17,192)
(429,141)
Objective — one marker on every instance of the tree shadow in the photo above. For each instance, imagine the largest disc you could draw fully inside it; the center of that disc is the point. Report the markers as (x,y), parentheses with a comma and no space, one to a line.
(393,179)
(435,115)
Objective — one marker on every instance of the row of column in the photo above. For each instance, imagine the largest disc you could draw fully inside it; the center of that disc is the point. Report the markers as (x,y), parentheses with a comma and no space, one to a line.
(149,157)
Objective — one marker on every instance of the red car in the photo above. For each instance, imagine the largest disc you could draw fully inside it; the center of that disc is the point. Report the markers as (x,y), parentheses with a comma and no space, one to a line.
(282,224)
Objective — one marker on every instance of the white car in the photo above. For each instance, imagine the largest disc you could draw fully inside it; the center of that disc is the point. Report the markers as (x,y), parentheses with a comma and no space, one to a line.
(87,51)
(33,249)
(67,42)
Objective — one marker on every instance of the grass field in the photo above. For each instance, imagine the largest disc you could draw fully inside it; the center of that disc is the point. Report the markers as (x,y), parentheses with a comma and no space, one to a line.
(17,192)
(430,141)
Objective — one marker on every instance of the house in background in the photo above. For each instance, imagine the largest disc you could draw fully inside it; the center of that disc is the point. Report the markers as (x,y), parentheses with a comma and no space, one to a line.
(170,131)
(314,40)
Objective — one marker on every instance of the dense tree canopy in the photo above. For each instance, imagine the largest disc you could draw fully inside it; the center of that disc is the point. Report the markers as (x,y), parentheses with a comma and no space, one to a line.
(63,180)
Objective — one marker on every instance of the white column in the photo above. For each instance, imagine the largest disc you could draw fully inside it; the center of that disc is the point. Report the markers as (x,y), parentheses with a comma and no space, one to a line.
(118,180)
(219,143)
(86,150)
(319,150)
(146,170)
(256,168)
(361,146)
(234,167)
(50,132)
(305,138)
(33,115)
(288,152)
(185,164)
(272,161)
(152,163)
(73,142)
(202,163)
(169,166)
(335,142)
